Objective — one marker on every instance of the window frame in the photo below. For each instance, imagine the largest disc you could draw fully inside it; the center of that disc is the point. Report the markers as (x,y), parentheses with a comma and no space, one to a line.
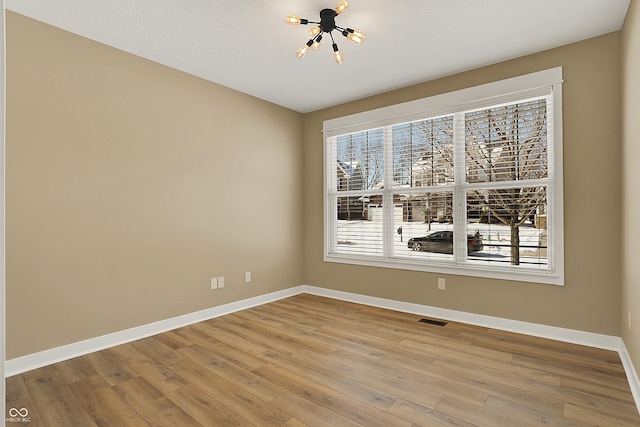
(512,90)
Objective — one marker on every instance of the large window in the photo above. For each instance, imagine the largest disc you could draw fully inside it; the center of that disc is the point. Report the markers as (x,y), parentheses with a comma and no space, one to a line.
(464,183)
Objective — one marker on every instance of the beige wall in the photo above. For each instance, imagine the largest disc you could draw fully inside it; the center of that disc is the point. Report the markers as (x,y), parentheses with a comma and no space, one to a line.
(130,185)
(631,182)
(2,305)
(590,299)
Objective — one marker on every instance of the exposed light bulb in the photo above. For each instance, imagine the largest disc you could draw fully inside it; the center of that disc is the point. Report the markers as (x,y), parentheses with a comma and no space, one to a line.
(314,31)
(354,39)
(295,20)
(337,54)
(358,34)
(354,35)
(304,49)
(342,6)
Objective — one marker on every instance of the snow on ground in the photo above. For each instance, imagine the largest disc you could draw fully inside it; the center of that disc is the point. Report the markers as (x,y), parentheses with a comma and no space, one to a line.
(365,238)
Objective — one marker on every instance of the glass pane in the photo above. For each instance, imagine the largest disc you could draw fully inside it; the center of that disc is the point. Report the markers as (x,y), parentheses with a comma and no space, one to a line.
(359,225)
(360,161)
(423,153)
(510,226)
(424,226)
(507,143)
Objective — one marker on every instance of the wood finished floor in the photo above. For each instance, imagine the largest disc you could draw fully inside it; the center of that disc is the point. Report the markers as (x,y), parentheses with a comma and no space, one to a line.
(313,361)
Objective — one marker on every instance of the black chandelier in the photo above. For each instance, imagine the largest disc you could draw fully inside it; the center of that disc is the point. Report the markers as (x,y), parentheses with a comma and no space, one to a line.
(326,25)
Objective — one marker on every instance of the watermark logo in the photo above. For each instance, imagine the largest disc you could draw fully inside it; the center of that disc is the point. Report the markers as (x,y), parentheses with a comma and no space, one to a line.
(18,415)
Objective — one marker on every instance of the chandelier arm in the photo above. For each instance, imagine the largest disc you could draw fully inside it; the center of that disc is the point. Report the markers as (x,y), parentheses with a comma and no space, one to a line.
(345,30)
(333,42)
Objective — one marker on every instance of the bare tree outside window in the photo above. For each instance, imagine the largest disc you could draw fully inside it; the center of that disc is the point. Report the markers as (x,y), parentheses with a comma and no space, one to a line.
(423,153)
(423,157)
(508,145)
(360,166)
(363,151)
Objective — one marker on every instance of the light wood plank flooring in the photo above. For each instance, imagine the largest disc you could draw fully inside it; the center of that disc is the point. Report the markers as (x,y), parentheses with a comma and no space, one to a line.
(313,361)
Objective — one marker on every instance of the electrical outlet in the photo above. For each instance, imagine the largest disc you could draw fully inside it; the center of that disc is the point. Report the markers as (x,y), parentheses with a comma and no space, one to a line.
(220,282)
(441,283)
(629,319)
(214,283)
(247,277)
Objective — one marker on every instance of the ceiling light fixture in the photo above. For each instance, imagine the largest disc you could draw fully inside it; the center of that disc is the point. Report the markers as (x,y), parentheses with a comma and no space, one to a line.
(326,25)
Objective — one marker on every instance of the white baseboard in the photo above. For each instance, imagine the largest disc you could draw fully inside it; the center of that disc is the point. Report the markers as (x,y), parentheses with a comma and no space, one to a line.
(607,342)
(48,357)
(66,352)
(632,375)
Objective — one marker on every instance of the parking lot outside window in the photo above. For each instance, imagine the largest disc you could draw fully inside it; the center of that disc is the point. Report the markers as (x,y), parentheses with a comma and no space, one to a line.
(468,182)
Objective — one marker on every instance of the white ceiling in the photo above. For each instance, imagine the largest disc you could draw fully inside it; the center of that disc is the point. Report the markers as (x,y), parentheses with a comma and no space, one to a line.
(246,44)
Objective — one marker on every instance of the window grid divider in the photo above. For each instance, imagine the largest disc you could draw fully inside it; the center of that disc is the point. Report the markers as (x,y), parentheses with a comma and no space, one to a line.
(388,195)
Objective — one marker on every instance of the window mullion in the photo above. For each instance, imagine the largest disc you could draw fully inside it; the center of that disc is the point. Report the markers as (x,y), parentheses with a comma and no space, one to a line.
(387,197)
(459,193)
(331,199)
